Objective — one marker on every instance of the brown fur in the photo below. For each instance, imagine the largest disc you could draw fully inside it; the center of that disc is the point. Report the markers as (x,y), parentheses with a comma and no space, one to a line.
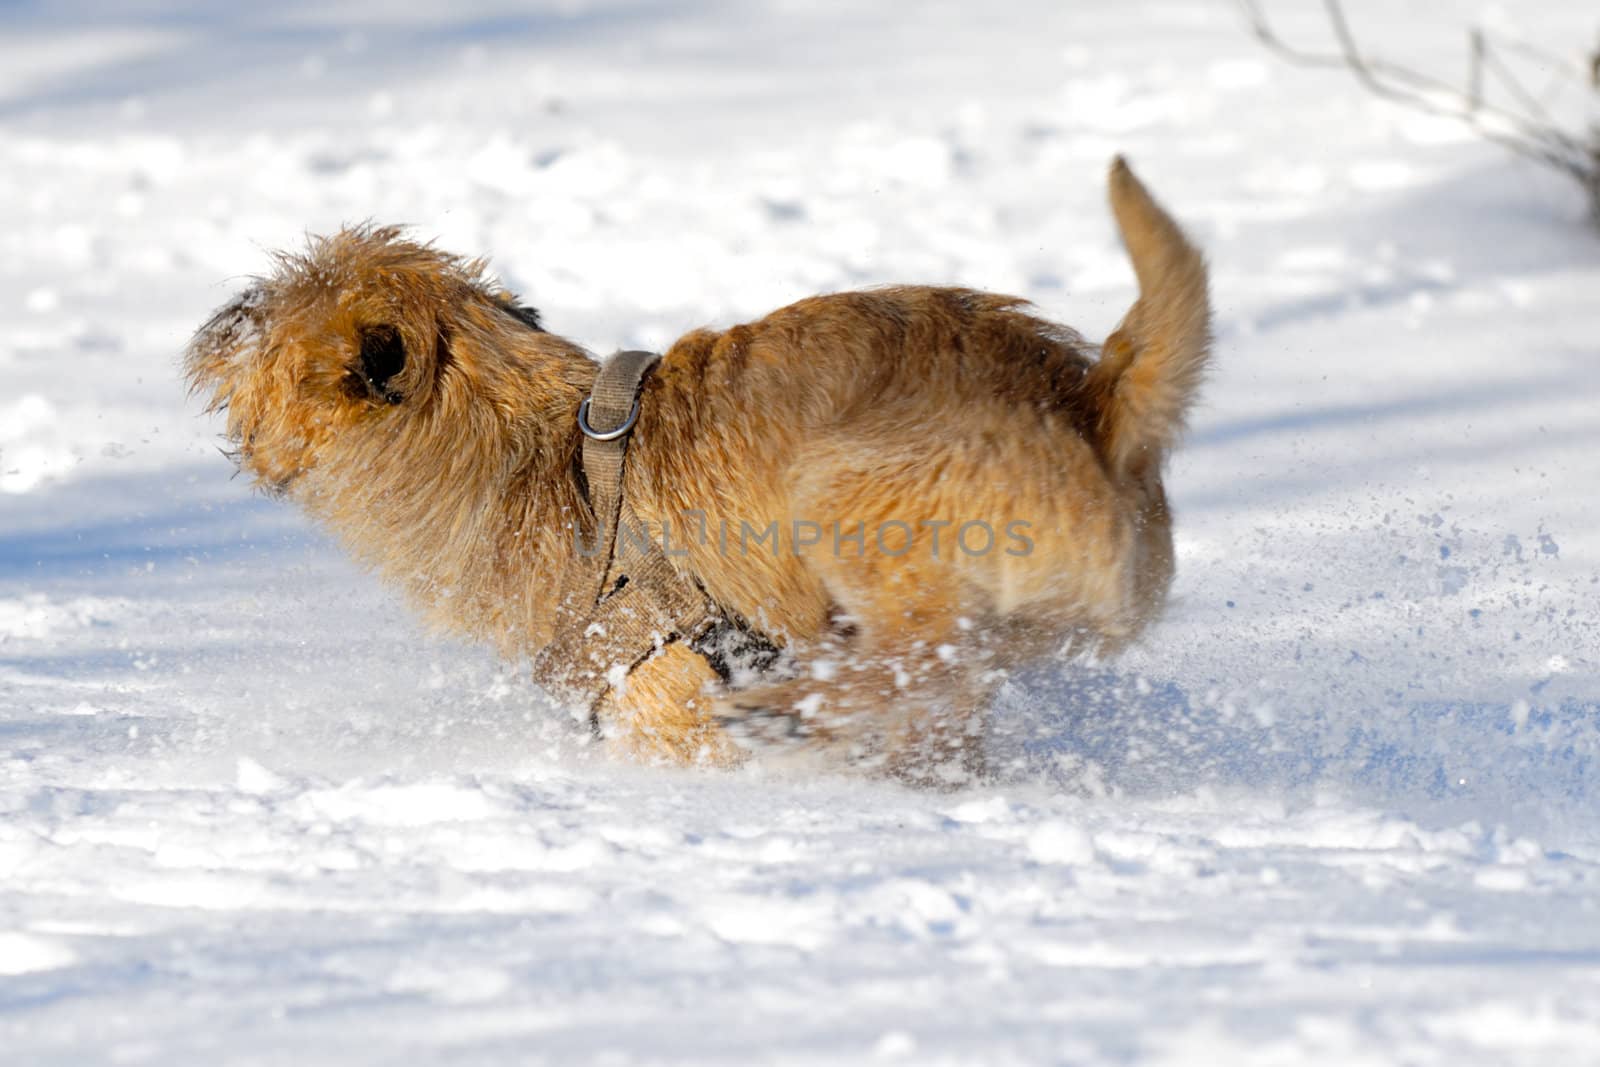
(456,478)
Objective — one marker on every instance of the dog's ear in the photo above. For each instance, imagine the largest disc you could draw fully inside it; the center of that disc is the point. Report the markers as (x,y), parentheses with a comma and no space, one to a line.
(383,358)
(524,314)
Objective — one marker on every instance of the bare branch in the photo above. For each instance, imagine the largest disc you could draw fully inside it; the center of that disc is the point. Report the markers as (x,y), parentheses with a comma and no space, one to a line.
(1475,71)
(1530,132)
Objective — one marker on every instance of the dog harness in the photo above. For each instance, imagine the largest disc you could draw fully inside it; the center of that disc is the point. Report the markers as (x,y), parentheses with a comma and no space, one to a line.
(621,600)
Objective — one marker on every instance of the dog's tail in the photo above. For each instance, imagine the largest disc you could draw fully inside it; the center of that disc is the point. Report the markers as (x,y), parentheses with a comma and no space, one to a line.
(1151,365)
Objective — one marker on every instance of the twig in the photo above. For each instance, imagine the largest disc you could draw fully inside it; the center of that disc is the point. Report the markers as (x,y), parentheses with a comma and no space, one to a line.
(1538,138)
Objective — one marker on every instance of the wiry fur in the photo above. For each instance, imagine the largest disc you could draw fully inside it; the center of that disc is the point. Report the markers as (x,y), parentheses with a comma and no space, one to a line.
(456,477)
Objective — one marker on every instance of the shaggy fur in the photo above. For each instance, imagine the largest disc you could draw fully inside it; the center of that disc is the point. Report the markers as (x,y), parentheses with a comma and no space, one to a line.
(428,420)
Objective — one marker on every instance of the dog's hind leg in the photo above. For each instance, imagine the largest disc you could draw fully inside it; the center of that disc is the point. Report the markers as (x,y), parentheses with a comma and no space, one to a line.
(901,691)
(895,710)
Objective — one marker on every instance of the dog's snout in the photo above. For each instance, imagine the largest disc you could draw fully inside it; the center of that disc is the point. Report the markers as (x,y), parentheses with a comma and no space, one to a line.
(383,357)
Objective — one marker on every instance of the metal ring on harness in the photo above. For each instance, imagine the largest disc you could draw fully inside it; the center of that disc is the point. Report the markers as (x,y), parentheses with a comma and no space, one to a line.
(605,435)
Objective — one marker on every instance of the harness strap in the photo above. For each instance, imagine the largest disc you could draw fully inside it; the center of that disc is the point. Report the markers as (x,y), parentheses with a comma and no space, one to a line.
(620,599)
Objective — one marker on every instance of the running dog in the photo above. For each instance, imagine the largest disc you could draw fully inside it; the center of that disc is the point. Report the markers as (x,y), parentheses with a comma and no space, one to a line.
(941,485)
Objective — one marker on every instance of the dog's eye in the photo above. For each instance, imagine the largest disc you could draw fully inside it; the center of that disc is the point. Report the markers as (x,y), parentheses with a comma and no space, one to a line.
(383,356)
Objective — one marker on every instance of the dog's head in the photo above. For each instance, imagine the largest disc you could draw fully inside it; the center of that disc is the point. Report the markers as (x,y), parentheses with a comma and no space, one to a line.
(360,338)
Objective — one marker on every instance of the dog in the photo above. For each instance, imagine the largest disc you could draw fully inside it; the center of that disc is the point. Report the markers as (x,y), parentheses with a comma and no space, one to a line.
(942,485)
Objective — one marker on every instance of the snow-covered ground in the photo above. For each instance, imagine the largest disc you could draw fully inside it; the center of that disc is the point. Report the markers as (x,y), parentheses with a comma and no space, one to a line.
(1342,806)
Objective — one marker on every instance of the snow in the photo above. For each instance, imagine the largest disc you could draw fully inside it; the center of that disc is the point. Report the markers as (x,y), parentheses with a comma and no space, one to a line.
(1340,806)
